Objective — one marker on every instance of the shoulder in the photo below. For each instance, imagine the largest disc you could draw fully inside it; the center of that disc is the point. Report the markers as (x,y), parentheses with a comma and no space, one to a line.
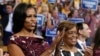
(37,36)
(13,37)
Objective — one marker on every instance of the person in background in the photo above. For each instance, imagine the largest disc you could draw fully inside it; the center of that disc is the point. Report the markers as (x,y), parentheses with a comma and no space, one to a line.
(2,10)
(45,12)
(73,14)
(6,22)
(67,6)
(98,15)
(61,15)
(24,39)
(90,20)
(16,3)
(83,34)
(52,23)
(96,42)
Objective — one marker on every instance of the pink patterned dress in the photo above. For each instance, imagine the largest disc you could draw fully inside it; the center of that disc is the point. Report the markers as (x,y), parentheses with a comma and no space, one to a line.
(31,46)
(96,52)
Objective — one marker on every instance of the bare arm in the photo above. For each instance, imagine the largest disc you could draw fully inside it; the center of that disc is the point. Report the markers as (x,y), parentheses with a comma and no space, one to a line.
(49,21)
(70,5)
(1,52)
(14,50)
(17,2)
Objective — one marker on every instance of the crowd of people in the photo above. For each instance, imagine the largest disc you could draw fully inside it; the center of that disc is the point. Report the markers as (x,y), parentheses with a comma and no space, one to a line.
(74,31)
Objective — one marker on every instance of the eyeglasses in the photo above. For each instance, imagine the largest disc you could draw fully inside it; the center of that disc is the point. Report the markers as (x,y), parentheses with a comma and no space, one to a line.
(28,16)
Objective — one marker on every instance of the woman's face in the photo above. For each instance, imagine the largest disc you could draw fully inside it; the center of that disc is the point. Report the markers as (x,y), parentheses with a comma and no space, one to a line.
(30,21)
(45,8)
(55,13)
(75,14)
(71,37)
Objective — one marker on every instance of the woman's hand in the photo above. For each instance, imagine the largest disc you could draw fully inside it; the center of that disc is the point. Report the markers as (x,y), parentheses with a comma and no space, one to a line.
(60,35)
(88,51)
(54,44)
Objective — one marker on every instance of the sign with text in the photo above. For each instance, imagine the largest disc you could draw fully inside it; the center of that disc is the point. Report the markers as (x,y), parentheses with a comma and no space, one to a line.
(92,4)
(51,1)
(51,32)
(40,19)
(76,20)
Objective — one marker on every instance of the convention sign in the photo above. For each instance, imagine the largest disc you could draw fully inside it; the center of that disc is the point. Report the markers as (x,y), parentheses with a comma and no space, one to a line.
(40,19)
(92,4)
(51,1)
(51,32)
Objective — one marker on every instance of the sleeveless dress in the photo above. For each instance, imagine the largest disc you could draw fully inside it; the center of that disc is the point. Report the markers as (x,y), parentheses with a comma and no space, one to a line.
(31,46)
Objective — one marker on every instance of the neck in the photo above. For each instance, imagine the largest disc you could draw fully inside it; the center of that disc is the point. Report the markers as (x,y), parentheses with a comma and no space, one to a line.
(26,32)
(81,38)
(45,12)
(69,47)
(55,17)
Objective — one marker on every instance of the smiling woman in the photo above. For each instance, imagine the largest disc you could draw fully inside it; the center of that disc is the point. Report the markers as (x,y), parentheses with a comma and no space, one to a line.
(24,40)
(64,44)
(65,41)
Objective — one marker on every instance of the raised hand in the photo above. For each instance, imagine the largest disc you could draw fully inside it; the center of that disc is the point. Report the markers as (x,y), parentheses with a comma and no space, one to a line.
(59,41)
(55,43)
(60,35)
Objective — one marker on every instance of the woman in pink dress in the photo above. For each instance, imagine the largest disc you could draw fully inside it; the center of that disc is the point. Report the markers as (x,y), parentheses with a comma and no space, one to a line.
(24,41)
(96,50)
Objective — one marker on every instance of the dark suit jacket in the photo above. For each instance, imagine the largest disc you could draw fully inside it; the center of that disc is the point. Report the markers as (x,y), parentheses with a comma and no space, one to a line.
(6,35)
(2,10)
(78,46)
(4,20)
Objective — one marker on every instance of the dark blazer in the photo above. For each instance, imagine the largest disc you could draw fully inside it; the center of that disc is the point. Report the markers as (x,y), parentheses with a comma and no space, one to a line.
(2,10)
(6,35)
(78,46)
(4,20)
